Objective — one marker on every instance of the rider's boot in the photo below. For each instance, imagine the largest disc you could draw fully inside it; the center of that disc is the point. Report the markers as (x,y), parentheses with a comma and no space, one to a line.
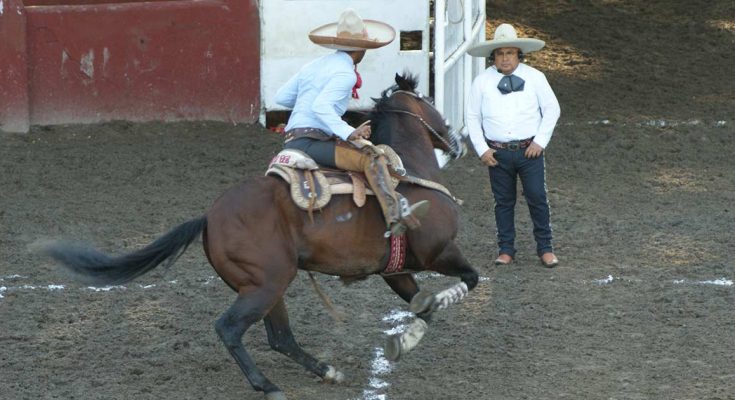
(398,213)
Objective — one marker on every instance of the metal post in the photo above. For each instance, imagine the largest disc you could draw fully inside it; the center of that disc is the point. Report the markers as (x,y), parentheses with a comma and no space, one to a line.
(440,7)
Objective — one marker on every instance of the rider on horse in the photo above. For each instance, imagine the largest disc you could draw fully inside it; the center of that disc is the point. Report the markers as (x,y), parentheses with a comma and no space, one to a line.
(319,94)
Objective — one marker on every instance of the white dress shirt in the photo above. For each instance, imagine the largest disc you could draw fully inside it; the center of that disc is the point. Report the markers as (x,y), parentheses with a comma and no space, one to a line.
(520,115)
(319,94)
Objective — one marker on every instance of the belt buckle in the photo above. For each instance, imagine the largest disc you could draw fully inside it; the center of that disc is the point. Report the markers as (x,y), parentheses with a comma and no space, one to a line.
(514,146)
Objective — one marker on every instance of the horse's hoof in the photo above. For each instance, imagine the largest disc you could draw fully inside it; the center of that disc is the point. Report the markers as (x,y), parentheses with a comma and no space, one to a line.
(392,349)
(421,302)
(333,376)
(275,396)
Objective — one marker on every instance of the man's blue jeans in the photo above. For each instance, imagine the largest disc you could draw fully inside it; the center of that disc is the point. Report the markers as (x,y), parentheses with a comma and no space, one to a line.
(503,180)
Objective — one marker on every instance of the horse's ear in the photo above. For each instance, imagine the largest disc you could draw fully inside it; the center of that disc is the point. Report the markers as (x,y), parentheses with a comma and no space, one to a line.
(406,81)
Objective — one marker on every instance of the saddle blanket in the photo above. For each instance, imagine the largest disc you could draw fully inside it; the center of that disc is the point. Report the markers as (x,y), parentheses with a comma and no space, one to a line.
(312,186)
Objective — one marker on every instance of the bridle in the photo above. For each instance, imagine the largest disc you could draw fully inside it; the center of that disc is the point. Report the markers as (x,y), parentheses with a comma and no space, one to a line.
(454,140)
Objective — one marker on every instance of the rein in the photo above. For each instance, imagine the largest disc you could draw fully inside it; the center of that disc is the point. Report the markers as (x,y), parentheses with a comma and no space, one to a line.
(413,179)
(429,185)
(433,131)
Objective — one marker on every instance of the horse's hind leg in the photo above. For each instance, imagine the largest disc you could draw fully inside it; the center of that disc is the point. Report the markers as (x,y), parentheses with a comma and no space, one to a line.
(248,309)
(281,339)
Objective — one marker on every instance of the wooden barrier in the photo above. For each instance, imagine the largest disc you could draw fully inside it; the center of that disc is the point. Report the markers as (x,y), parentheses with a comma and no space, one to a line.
(91,61)
(13,67)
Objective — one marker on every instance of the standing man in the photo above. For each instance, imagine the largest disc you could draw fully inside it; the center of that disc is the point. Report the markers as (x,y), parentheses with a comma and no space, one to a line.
(319,94)
(511,116)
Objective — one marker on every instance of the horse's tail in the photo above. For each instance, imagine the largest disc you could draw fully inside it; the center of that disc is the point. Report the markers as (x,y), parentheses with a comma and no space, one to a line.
(99,268)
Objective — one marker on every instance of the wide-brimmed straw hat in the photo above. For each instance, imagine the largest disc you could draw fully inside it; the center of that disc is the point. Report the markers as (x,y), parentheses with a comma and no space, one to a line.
(505,36)
(353,33)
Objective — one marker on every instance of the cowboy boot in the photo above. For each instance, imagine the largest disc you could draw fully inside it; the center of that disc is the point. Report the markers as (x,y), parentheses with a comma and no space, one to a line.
(398,214)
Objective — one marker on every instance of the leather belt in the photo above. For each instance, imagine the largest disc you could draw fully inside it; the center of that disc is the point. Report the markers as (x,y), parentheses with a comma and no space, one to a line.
(312,133)
(513,145)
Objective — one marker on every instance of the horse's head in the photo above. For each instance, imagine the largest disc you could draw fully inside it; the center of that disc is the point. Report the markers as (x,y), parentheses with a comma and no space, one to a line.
(403,119)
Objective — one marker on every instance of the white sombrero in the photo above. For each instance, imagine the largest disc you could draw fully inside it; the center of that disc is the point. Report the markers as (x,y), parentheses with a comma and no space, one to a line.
(505,36)
(353,33)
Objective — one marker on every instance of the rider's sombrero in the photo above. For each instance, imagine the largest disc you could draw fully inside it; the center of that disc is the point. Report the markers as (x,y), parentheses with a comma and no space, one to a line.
(353,33)
(505,36)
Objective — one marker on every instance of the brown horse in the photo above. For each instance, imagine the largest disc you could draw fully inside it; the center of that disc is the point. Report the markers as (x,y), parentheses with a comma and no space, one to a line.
(257,239)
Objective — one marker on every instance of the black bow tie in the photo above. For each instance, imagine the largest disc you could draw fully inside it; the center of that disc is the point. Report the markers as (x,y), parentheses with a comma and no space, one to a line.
(511,83)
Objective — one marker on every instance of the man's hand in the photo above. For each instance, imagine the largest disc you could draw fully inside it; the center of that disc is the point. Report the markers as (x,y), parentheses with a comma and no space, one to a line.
(534,150)
(361,132)
(488,158)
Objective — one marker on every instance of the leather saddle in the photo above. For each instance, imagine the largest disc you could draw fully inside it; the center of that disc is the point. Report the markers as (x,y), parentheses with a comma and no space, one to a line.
(312,185)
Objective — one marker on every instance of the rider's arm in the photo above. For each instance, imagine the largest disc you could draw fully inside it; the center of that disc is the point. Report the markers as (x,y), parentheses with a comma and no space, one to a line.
(286,95)
(332,101)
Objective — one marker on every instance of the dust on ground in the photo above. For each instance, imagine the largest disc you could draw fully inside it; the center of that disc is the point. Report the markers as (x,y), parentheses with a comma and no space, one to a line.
(641,184)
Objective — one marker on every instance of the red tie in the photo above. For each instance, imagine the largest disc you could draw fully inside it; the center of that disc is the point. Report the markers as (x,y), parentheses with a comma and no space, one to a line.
(358,85)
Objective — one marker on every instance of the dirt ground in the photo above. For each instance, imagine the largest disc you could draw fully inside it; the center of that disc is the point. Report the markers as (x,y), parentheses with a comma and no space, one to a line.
(641,182)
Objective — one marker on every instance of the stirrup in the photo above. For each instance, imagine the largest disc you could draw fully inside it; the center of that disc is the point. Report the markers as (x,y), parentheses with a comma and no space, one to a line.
(410,216)
(404,207)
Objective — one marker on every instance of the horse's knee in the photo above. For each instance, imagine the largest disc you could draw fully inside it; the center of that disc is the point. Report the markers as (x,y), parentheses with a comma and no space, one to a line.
(233,323)
(230,330)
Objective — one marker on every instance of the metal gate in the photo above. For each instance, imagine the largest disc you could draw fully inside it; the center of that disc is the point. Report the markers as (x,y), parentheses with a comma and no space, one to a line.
(457,25)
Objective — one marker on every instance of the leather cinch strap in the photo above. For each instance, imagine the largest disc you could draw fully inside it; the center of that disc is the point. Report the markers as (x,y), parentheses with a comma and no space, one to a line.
(396,255)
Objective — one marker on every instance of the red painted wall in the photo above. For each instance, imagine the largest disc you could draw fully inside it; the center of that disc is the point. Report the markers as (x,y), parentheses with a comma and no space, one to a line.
(140,61)
(13,68)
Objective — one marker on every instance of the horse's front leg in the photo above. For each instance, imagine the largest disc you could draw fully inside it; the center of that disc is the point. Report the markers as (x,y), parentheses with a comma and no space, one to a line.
(403,284)
(450,262)
(406,287)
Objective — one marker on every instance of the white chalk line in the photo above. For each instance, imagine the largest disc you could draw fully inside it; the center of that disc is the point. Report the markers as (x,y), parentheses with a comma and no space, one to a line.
(55,287)
(714,282)
(397,319)
(656,123)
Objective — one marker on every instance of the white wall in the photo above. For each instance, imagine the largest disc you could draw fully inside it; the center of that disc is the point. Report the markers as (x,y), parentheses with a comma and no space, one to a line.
(285,45)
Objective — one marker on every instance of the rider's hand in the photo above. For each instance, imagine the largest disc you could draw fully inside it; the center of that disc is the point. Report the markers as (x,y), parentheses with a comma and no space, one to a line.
(361,132)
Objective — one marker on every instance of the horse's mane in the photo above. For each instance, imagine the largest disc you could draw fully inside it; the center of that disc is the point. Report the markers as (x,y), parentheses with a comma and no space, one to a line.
(408,82)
